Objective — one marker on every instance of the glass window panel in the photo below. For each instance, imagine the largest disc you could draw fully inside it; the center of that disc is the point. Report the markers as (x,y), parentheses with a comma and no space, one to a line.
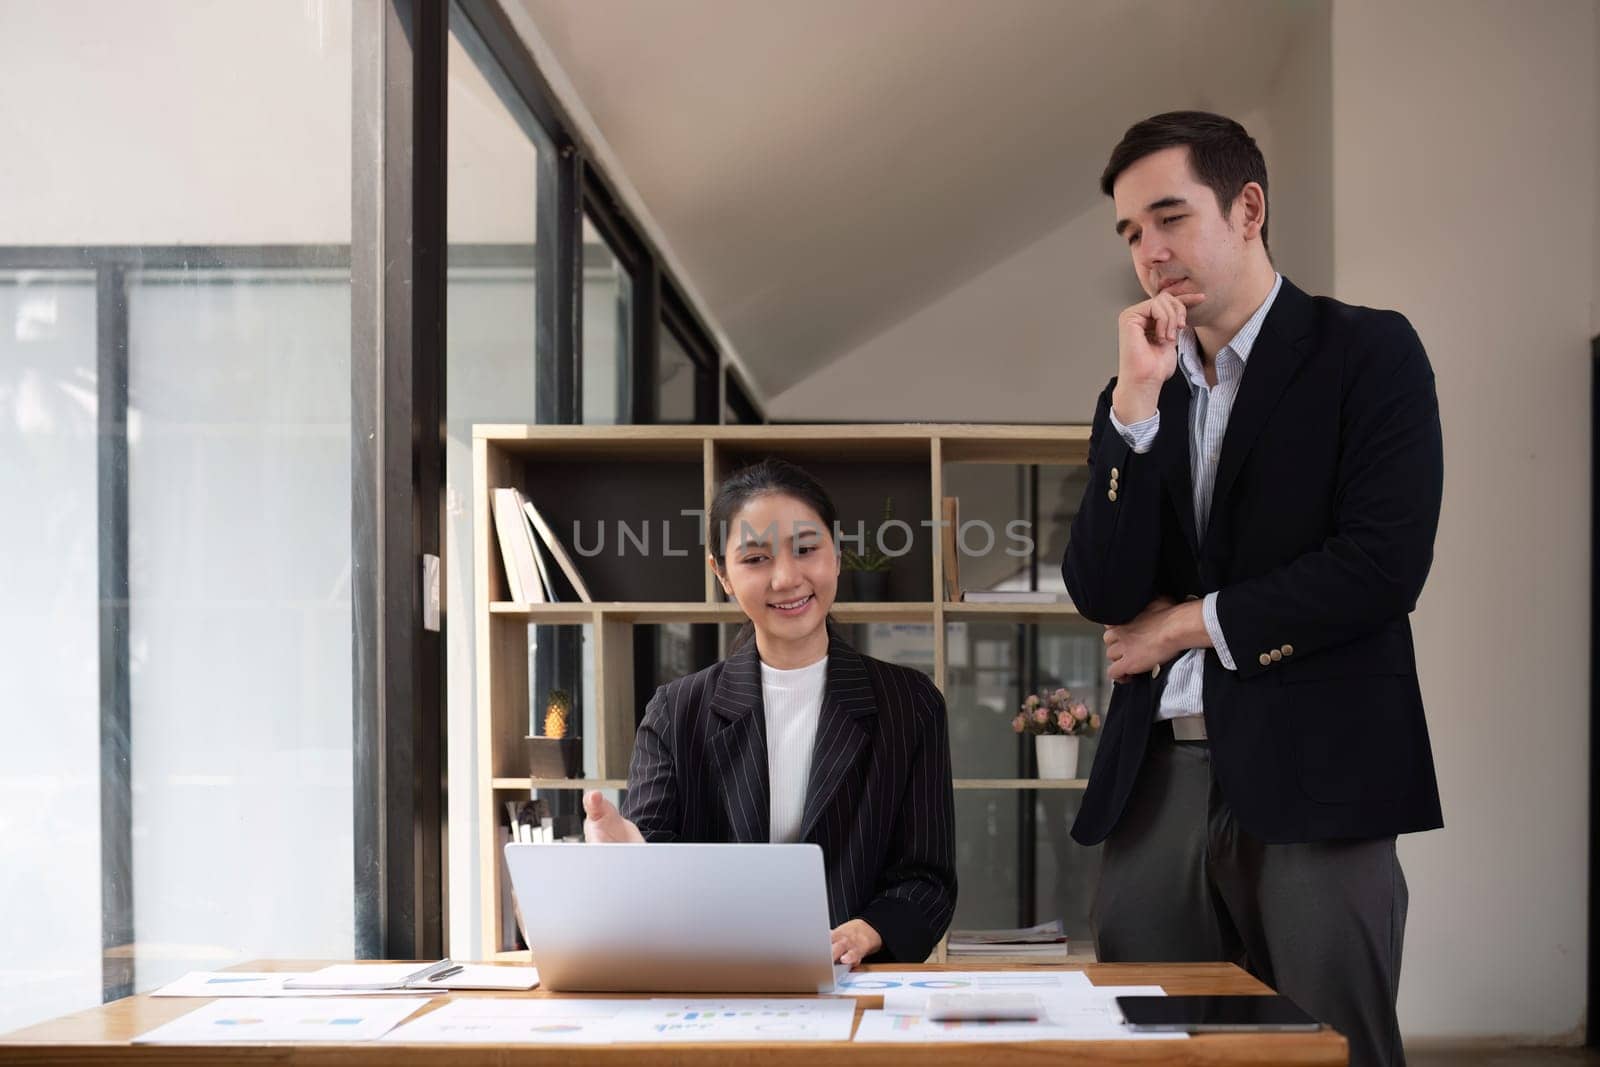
(1060,492)
(987,858)
(676,378)
(49,629)
(240,616)
(607,310)
(492,227)
(908,644)
(736,405)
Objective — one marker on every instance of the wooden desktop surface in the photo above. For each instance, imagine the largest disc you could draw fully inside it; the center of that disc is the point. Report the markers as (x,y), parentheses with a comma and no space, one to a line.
(102,1035)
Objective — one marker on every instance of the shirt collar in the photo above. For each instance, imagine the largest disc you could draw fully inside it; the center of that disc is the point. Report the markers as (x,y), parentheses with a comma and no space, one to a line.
(1240,346)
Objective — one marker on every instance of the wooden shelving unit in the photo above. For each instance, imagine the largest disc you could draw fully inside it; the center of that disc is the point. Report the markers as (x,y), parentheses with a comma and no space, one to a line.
(665,476)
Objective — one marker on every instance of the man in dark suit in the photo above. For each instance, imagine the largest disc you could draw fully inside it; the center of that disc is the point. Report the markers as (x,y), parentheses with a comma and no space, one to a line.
(1265,480)
(878,800)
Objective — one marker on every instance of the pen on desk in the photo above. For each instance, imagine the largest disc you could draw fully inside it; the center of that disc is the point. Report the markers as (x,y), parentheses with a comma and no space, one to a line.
(446,973)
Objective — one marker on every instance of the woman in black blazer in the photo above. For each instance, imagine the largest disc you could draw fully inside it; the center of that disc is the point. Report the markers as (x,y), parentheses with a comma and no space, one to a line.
(796,736)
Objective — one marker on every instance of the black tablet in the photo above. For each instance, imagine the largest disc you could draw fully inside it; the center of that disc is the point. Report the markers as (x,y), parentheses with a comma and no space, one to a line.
(1202,1015)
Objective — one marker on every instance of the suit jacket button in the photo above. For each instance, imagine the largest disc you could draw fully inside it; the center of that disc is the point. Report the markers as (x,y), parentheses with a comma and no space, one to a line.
(1266,659)
(1287,650)
(1111,495)
(1276,655)
(1115,474)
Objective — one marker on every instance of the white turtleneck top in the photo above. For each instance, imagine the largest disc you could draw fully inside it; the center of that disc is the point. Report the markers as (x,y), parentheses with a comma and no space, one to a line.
(792,701)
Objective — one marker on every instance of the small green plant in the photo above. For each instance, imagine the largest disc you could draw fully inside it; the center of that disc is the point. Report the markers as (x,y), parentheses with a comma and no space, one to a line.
(871,558)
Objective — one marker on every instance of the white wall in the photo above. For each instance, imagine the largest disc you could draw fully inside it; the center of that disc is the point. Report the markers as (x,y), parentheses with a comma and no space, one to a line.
(1294,136)
(1046,315)
(175,121)
(1463,181)
(215,122)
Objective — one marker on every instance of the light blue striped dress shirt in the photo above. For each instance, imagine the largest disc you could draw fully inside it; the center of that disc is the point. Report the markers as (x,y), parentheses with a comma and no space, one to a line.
(1209,407)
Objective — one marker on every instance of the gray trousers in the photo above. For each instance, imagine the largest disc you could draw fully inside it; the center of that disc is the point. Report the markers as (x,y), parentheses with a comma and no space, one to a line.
(1322,923)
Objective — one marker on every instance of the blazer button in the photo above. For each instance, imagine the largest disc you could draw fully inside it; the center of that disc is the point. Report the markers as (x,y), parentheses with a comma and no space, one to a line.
(1287,650)
(1276,655)
(1266,659)
(1155,672)
(1115,474)
(1111,495)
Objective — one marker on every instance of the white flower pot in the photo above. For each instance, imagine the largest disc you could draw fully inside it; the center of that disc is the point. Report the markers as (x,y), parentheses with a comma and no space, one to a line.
(1057,755)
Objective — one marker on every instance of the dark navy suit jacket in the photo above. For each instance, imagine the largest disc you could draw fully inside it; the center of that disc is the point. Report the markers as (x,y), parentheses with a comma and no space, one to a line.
(879,800)
(1318,542)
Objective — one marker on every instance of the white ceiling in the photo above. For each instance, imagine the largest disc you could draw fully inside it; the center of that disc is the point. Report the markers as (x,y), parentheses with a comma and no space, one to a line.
(822,168)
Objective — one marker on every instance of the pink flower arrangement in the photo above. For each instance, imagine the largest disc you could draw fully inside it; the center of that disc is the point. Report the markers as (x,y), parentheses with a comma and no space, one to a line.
(1054,711)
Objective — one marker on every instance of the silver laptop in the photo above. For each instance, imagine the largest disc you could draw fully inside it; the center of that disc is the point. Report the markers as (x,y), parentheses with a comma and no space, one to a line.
(675,918)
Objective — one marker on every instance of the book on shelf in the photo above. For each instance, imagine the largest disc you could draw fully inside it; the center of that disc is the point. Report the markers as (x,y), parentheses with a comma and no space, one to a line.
(1015,596)
(517,549)
(950,514)
(538,553)
(553,544)
(510,933)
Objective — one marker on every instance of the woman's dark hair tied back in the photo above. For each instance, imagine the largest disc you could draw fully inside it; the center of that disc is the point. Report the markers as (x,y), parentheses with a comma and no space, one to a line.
(770,475)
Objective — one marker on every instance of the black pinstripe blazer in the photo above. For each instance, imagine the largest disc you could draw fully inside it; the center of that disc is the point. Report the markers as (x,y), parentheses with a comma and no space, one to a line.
(879,800)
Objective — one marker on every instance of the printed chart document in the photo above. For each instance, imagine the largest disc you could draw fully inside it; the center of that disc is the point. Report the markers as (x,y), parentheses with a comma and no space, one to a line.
(1063,1004)
(790,1019)
(445,974)
(882,1027)
(500,1020)
(1072,1012)
(883,983)
(286,1019)
(259,984)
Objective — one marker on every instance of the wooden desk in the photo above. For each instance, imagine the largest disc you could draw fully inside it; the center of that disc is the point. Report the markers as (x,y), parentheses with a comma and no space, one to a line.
(102,1035)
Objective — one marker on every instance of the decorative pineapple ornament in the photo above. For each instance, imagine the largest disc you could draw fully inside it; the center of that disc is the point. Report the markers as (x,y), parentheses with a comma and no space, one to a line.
(556,710)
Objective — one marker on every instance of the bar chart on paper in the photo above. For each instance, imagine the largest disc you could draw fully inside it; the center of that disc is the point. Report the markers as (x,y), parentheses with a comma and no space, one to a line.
(746,1020)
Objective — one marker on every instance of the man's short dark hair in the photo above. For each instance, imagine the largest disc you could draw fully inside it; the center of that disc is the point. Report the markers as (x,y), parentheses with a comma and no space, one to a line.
(1222,154)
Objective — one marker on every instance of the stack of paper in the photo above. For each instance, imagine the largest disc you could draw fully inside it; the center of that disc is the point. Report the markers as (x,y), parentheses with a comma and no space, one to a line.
(256,1019)
(1075,1009)
(352,979)
(1045,943)
(497,1020)
(601,1022)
